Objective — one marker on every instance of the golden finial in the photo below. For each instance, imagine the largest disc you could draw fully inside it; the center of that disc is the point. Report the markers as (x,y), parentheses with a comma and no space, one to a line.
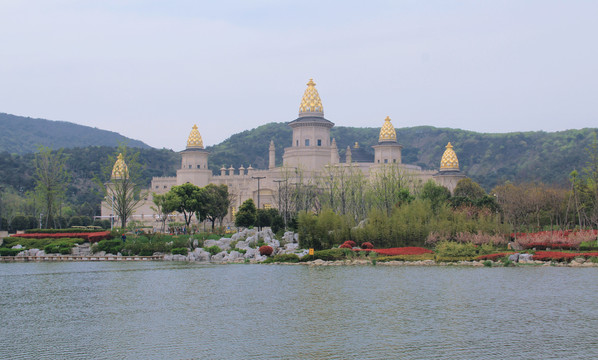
(356,145)
(120,170)
(449,160)
(387,132)
(194,141)
(311,102)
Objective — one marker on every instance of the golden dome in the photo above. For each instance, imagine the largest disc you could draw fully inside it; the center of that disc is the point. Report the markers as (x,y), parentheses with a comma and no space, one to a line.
(311,102)
(449,159)
(387,132)
(120,170)
(194,141)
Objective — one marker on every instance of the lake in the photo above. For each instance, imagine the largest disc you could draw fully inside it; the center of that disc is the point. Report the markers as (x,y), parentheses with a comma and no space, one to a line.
(159,310)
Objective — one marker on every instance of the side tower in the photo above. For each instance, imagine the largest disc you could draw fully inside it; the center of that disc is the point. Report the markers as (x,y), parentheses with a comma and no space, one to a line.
(388,150)
(194,164)
(449,173)
(311,147)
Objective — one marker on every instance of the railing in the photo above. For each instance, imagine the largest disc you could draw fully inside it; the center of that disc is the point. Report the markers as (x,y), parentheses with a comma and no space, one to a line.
(81,258)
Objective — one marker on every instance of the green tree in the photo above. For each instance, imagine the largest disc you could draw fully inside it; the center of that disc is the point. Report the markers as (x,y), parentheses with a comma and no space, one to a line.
(213,204)
(469,189)
(51,180)
(247,214)
(164,204)
(436,194)
(189,197)
(123,189)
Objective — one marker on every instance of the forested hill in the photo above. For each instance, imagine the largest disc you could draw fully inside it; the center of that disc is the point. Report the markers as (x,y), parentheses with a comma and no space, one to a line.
(22,135)
(489,159)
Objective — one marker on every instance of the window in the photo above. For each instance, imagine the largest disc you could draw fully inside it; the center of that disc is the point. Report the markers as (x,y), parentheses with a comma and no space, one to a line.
(157,187)
(319,142)
(199,166)
(306,142)
(189,166)
(394,160)
(386,161)
(164,186)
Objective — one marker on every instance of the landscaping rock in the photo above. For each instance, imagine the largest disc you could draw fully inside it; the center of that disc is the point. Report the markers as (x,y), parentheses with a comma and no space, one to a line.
(514,257)
(201,255)
(219,257)
(526,258)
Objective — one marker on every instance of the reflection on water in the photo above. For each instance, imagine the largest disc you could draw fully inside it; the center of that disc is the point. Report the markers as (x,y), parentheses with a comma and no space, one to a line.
(155,310)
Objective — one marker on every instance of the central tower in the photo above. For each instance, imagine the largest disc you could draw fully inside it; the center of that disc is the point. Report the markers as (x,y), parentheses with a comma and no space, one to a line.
(311,147)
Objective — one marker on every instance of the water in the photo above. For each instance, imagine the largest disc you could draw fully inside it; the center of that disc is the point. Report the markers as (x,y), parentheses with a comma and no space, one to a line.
(165,310)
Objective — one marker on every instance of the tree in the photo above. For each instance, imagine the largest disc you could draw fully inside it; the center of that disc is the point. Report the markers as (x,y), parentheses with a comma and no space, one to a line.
(214,203)
(436,194)
(164,205)
(123,191)
(469,189)
(189,197)
(247,214)
(51,179)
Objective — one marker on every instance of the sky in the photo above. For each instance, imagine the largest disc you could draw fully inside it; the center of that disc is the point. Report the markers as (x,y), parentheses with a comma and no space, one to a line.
(150,70)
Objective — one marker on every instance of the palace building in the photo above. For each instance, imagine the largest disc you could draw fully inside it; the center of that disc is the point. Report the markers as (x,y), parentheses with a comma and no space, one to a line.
(311,153)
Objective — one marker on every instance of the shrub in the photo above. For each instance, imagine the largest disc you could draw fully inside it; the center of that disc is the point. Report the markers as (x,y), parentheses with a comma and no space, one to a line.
(412,250)
(351,243)
(63,248)
(367,245)
(180,251)
(266,250)
(242,251)
(452,251)
(291,258)
(109,246)
(419,257)
(345,246)
(213,250)
(492,257)
(9,252)
(328,255)
(488,263)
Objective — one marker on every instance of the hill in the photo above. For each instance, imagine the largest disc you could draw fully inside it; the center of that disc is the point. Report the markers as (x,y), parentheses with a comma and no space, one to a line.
(488,159)
(21,135)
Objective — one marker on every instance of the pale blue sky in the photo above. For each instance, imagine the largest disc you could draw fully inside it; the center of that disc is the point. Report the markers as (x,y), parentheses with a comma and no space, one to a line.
(151,69)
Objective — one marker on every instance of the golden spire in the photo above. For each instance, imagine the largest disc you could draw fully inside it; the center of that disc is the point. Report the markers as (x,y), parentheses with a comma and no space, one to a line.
(387,132)
(194,141)
(120,170)
(449,160)
(311,102)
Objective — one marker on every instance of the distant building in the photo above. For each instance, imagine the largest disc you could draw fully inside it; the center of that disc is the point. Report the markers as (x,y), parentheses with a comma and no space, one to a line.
(311,154)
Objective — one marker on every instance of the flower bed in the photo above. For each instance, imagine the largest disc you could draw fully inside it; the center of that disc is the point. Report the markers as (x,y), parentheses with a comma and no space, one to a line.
(564,240)
(91,237)
(561,256)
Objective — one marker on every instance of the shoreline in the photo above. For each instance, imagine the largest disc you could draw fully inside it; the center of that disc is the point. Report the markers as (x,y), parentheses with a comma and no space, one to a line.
(317,262)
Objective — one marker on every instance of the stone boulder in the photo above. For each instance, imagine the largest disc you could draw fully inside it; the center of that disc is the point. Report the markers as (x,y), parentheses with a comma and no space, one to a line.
(219,257)
(525,258)
(514,257)
(201,255)
(233,256)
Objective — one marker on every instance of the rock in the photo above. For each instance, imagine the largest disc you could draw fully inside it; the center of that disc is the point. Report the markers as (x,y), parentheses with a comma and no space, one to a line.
(168,257)
(41,253)
(242,245)
(514,257)
(233,256)
(18,246)
(100,253)
(195,243)
(32,252)
(251,253)
(219,257)
(525,258)
(201,255)
(179,257)
(251,240)
(288,237)
(580,260)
